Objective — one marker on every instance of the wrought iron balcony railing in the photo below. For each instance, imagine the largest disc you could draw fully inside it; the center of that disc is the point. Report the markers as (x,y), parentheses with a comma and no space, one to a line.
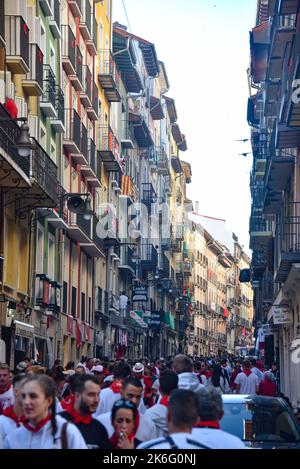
(17,44)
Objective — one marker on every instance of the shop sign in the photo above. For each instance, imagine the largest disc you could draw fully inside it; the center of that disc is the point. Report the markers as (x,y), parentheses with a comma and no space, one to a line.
(24,330)
(136,317)
(282,316)
(154,321)
(268,329)
(140,294)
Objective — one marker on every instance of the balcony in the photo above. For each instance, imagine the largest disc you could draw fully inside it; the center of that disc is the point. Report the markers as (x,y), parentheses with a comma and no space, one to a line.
(149,258)
(2,22)
(127,265)
(288,7)
(287,137)
(165,266)
(75,140)
(168,186)
(86,93)
(260,231)
(125,57)
(92,171)
(108,76)
(79,229)
(287,243)
(94,247)
(280,169)
(109,149)
(162,161)
(47,102)
(85,24)
(92,43)
(17,44)
(149,196)
(139,122)
(33,83)
(43,173)
(156,109)
(93,110)
(272,202)
(282,34)
(46,7)
(58,121)
(77,78)
(68,50)
(54,20)
(75,7)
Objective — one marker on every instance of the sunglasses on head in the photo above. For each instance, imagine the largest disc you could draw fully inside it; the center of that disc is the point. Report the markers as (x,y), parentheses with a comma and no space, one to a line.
(123,403)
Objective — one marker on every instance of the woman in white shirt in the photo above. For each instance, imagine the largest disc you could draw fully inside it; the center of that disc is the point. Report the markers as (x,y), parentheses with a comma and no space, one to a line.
(42,428)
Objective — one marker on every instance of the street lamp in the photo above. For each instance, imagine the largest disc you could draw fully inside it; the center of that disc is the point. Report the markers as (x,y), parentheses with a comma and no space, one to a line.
(76,204)
(23,143)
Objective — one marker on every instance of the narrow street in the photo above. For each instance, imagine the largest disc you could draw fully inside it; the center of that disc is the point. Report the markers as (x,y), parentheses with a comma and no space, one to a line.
(130,283)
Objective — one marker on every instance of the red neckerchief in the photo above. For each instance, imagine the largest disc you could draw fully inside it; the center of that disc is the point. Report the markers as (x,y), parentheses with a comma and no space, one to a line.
(67,402)
(77,418)
(114,439)
(10,413)
(116,386)
(38,427)
(165,401)
(6,389)
(208,424)
(247,372)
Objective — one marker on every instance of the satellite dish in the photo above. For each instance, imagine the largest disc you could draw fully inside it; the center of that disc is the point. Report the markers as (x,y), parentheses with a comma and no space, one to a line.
(75,204)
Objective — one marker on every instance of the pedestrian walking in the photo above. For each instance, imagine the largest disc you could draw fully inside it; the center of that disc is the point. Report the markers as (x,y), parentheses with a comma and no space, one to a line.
(86,398)
(219,379)
(187,379)
(132,391)
(246,381)
(42,428)
(12,415)
(113,392)
(125,421)
(267,387)
(168,381)
(207,430)
(181,417)
(6,390)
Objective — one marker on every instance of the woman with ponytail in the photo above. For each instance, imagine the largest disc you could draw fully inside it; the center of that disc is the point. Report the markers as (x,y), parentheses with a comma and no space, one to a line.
(42,428)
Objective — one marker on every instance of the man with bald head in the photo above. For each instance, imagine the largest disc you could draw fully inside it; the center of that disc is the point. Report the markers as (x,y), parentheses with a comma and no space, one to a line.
(187,379)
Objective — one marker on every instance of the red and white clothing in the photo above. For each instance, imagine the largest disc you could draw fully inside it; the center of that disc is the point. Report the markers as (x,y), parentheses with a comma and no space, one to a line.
(9,421)
(7,398)
(158,415)
(145,430)
(108,397)
(26,437)
(211,435)
(248,382)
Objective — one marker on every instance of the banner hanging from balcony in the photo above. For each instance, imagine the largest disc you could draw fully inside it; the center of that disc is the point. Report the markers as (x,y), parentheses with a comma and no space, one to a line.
(140,294)
(79,333)
(70,322)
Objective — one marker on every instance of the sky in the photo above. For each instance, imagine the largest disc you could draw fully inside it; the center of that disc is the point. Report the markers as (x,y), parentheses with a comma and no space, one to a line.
(205,47)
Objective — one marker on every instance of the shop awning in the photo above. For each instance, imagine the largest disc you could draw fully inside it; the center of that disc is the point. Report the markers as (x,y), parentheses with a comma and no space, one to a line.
(168,319)
(23,329)
(138,319)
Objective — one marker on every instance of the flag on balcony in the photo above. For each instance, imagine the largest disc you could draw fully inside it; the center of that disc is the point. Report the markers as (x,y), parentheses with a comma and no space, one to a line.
(70,322)
(79,333)
(128,187)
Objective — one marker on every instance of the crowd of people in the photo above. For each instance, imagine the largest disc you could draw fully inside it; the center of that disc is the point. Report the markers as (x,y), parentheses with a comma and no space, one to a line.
(121,404)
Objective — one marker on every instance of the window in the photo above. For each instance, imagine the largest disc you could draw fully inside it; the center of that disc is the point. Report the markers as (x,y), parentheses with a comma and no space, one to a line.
(108,9)
(65,298)
(74,302)
(52,59)
(43,139)
(51,256)
(82,306)
(90,311)
(40,250)
(43,40)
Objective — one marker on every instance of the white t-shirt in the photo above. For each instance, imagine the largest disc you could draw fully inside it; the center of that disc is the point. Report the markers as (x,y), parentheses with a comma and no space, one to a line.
(247,384)
(7,398)
(178,441)
(7,425)
(107,399)
(158,415)
(146,429)
(217,439)
(21,438)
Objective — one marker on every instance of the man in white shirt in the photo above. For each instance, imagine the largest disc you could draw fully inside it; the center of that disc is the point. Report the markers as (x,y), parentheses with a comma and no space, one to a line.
(109,396)
(183,367)
(132,391)
(255,370)
(11,417)
(168,381)
(207,430)
(6,390)
(246,381)
(181,417)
